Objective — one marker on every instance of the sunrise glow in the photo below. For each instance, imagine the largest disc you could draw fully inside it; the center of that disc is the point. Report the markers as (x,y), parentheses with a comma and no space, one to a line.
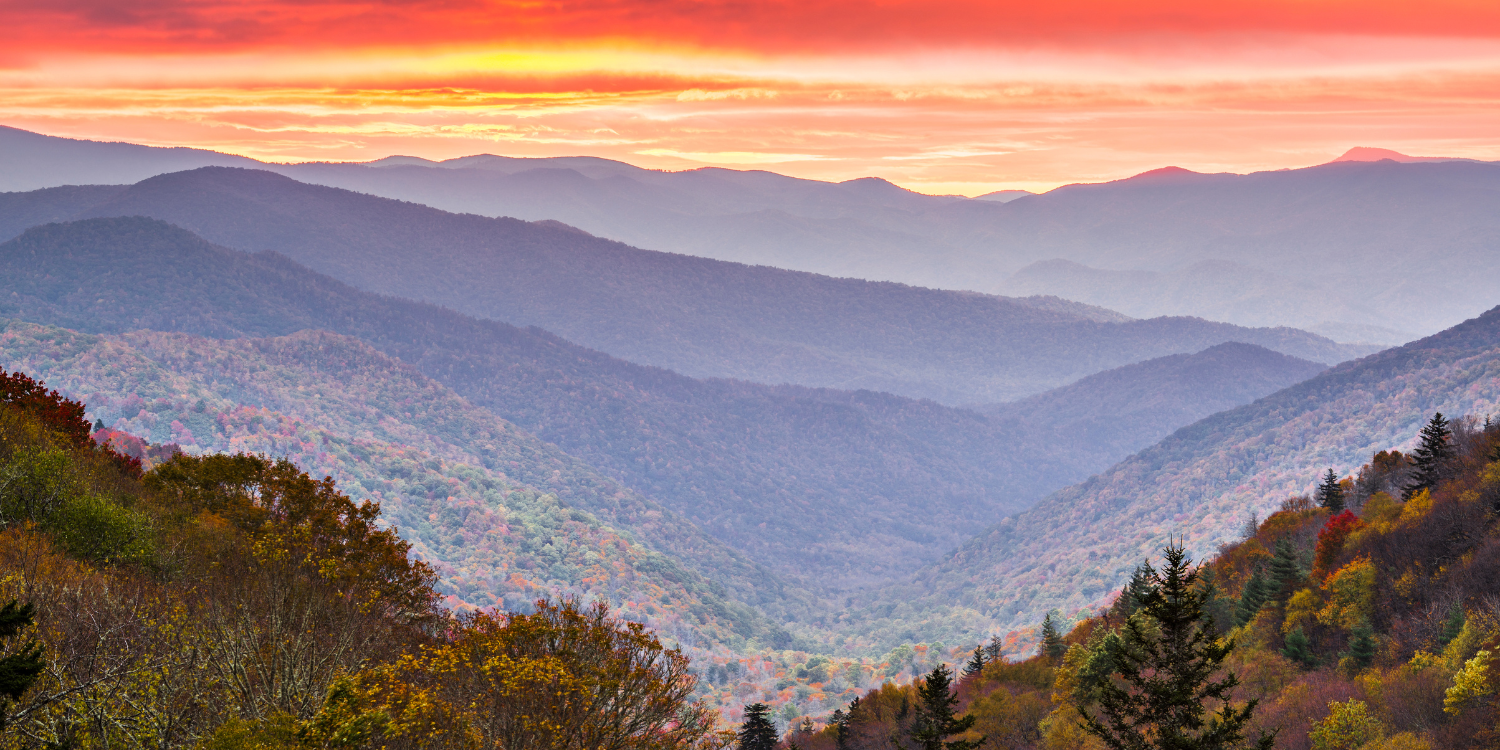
(959,97)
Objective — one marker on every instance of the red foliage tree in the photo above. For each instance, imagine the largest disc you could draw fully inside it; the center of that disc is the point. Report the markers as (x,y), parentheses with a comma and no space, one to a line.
(63,416)
(1331,541)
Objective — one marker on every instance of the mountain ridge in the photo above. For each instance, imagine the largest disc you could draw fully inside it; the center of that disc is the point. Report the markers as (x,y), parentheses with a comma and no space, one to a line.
(699,317)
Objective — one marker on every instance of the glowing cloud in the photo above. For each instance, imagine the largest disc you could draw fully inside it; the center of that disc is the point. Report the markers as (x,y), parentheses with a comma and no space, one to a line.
(941,97)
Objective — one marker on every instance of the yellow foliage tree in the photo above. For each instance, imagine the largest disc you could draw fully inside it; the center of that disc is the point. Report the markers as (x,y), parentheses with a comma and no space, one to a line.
(1350,593)
(1349,725)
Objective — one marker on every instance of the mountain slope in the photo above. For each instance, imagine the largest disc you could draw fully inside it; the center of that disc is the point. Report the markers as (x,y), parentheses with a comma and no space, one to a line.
(1198,485)
(466,489)
(700,317)
(1120,411)
(33,161)
(1379,243)
(834,489)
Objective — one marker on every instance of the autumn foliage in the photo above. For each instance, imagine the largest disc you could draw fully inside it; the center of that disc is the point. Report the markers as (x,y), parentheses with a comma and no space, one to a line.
(1331,541)
(232,601)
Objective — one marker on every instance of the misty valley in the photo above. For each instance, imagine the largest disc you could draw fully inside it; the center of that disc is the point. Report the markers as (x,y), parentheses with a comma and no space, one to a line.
(564,452)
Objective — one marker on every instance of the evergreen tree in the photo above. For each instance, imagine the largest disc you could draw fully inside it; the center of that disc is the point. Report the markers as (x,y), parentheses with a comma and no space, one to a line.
(1299,649)
(1052,642)
(1252,598)
(935,721)
(1362,645)
(992,651)
(1330,494)
(1130,596)
(1216,609)
(758,732)
(1168,676)
(1453,625)
(840,723)
(1431,457)
(976,662)
(19,670)
(1285,572)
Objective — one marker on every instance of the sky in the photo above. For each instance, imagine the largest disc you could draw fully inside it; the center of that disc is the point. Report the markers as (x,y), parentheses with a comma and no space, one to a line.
(942,97)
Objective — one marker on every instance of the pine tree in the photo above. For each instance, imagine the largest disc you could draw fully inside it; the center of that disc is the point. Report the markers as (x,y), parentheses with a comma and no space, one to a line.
(1299,649)
(976,662)
(1053,646)
(1362,645)
(1285,572)
(1330,494)
(1130,596)
(993,650)
(1168,677)
(1453,625)
(840,723)
(758,732)
(1252,598)
(20,669)
(935,721)
(1431,457)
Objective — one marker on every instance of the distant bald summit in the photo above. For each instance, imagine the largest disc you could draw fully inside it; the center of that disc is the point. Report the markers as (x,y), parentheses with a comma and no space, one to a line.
(1366,153)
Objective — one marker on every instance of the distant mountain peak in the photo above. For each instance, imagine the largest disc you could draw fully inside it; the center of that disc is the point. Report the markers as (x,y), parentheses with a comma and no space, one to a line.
(397,160)
(1003,196)
(1164,174)
(1368,153)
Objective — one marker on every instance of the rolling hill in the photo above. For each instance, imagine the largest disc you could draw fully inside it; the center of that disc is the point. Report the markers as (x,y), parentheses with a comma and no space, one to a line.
(1118,412)
(1198,485)
(700,317)
(503,516)
(830,489)
(1363,248)
(829,493)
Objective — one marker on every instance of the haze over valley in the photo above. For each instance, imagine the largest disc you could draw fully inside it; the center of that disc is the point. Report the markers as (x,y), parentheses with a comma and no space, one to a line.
(826,439)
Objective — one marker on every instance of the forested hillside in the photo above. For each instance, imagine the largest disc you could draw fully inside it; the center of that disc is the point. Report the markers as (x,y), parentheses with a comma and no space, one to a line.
(695,316)
(1198,485)
(233,601)
(833,490)
(502,517)
(1362,618)
(1120,411)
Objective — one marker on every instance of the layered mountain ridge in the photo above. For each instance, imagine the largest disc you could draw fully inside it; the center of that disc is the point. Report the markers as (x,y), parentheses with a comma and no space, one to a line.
(699,317)
(1357,248)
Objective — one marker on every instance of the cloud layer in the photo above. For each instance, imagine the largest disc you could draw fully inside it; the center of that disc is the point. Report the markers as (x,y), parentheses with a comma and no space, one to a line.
(942,97)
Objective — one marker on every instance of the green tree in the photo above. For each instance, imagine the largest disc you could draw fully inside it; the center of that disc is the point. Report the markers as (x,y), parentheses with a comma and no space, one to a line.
(1431,458)
(976,662)
(935,719)
(1299,649)
(1286,574)
(1135,588)
(840,723)
(19,670)
(1453,625)
(758,732)
(1165,660)
(992,651)
(1330,494)
(1052,641)
(1252,598)
(1362,645)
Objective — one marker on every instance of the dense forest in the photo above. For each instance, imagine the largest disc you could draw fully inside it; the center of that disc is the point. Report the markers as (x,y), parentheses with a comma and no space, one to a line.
(826,472)
(233,601)
(1364,616)
(1073,548)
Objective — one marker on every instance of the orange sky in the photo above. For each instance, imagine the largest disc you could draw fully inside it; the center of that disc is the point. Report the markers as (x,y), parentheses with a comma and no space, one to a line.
(941,97)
